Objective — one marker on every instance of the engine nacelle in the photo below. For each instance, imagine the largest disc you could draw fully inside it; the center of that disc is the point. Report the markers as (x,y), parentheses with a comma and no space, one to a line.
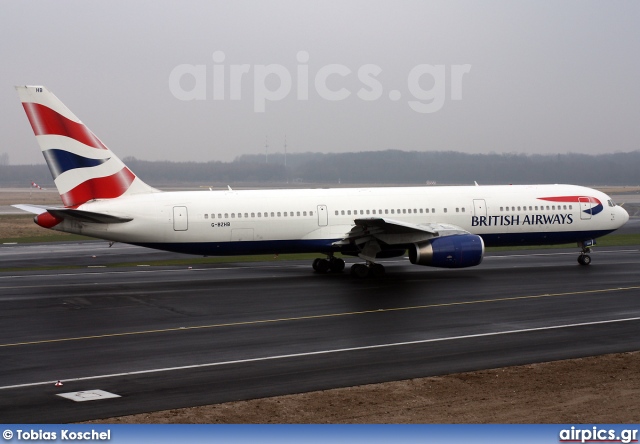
(455,251)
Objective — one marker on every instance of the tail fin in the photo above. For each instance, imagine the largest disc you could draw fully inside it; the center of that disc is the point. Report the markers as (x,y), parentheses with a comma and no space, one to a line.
(82,167)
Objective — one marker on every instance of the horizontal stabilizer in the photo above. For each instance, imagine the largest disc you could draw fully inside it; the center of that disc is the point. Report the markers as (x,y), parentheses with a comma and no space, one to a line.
(87,216)
(34,209)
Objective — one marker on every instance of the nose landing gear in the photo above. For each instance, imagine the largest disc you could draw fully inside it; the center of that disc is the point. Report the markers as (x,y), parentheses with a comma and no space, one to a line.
(584,258)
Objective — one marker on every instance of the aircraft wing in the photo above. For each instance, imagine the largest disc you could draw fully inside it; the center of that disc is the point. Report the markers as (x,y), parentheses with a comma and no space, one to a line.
(369,232)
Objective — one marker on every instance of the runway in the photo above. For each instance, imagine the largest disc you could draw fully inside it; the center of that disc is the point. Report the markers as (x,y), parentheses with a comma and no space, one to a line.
(170,337)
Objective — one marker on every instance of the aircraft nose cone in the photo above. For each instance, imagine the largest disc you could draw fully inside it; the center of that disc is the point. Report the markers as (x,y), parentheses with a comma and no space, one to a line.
(624,215)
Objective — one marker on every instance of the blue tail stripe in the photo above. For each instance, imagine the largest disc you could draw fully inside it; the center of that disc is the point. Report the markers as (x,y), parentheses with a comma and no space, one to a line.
(60,161)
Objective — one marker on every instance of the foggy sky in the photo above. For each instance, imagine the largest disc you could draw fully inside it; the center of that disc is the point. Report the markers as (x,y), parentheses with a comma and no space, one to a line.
(544,76)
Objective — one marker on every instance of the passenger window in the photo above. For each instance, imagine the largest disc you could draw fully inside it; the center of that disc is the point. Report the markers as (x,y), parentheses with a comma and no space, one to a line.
(553,207)
(304,213)
(226,215)
(273,215)
(239,215)
(348,212)
(404,211)
(259,214)
(298,214)
(393,211)
(373,211)
(336,212)
(445,210)
(386,211)
(367,211)
(233,215)
(457,210)
(463,209)
(206,216)
(571,207)
(310,213)
(433,210)
(426,210)
(420,210)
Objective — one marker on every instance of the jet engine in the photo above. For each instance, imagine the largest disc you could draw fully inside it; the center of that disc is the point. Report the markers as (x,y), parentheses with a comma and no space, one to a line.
(455,251)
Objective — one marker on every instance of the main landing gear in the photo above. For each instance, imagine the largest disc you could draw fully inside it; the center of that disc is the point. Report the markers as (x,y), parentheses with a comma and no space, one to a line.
(584,258)
(370,269)
(336,265)
(330,264)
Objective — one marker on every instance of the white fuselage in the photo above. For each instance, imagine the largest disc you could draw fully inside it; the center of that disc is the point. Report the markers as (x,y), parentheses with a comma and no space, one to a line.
(306,220)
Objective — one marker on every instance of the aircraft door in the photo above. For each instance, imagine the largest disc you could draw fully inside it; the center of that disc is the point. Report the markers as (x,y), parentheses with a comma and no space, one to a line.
(180,219)
(479,207)
(585,208)
(323,216)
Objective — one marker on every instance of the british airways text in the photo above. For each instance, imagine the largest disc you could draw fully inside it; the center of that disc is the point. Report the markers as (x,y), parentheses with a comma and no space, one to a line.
(528,219)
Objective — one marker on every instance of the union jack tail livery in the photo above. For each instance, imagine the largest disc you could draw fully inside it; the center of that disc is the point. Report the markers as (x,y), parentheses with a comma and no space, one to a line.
(82,167)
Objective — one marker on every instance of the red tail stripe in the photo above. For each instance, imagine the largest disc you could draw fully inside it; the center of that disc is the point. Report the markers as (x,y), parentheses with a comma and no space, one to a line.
(99,188)
(46,121)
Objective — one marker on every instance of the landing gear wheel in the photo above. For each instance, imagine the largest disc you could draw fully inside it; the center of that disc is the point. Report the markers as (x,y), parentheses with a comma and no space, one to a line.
(315,264)
(584,259)
(359,270)
(376,270)
(322,266)
(336,265)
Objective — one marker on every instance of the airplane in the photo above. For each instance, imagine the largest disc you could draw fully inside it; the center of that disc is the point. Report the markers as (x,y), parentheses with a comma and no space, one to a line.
(439,226)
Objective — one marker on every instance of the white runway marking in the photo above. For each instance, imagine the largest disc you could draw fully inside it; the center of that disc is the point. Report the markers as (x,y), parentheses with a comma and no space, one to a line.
(88,395)
(324,352)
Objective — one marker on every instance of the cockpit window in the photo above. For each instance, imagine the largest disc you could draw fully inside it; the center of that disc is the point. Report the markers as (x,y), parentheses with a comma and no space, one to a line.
(611,203)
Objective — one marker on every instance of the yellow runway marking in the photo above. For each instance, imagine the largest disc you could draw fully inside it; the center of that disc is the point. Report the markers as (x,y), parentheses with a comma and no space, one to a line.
(330,315)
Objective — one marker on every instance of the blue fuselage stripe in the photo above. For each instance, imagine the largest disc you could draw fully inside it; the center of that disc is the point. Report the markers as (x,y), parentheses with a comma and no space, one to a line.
(325,245)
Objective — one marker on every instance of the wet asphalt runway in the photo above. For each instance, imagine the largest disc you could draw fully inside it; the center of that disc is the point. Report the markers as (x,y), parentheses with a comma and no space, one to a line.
(169,337)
